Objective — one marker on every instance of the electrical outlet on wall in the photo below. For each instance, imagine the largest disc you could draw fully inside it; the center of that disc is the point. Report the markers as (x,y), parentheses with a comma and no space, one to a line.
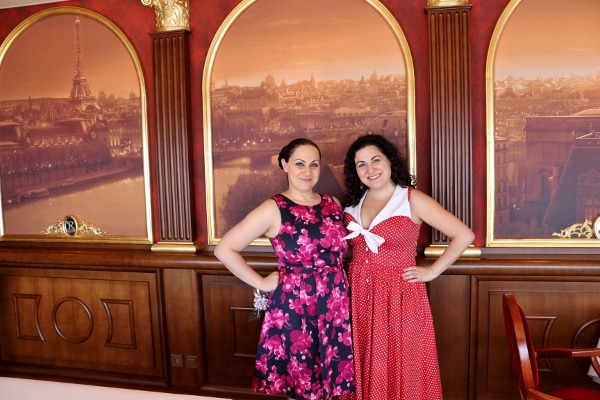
(176,360)
(191,361)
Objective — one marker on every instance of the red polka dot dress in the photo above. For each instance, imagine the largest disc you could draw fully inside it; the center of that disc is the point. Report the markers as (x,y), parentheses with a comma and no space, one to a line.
(395,354)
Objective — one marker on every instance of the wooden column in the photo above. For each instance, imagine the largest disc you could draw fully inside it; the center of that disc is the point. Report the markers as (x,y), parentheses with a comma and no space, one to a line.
(174,159)
(451,169)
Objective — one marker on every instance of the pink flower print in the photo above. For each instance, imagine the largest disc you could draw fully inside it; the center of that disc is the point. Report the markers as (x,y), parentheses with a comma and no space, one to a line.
(311,306)
(345,337)
(327,241)
(338,310)
(289,282)
(333,236)
(278,245)
(275,345)
(308,249)
(278,382)
(297,305)
(280,201)
(331,353)
(302,299)
(346,369)
(305,288)
(326,226)
(299,376)
(323,329)
(291,258)
(322,288)
(257,383)
(304,239)
(304,214)
(287,229)
(316,392)
(275,317)
(331,208)
(261,364)
(324,338)
(339,278)
(338,318)
(301,342)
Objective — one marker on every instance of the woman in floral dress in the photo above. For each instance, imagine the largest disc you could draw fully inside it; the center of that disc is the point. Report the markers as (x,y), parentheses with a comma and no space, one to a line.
(394,340)
(305,344)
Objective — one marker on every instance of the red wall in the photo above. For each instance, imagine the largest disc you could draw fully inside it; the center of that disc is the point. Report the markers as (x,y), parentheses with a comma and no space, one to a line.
(138,22)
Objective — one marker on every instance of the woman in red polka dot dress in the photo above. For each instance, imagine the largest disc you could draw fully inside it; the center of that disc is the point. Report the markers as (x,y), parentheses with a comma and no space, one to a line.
(395,355)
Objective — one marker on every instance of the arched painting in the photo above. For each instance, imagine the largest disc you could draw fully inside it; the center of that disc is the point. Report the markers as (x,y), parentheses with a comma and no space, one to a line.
(73,152)
(544,124)
(282,69)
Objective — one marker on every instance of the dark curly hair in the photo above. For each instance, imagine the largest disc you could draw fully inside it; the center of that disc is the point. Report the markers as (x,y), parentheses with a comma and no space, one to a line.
(288,149)
(400,173)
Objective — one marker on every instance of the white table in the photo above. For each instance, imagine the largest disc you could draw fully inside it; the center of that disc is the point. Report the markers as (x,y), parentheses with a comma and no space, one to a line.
(27,389)
(592,372)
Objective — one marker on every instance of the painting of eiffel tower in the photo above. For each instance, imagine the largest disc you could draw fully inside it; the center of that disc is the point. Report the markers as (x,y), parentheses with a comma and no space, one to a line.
(81,96)
(65,149)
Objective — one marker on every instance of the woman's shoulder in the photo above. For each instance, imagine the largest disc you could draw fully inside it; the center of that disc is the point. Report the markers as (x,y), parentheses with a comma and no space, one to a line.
(271,204)
(329,198)
(414,193)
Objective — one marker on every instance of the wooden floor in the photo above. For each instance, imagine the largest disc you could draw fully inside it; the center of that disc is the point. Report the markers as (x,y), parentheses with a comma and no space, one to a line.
(27,389)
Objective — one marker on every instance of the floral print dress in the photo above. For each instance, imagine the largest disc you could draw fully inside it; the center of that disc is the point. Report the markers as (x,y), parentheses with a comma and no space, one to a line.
(305,344)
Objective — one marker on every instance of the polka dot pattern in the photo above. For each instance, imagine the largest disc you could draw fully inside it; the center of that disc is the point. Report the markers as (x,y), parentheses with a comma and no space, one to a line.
(395,353)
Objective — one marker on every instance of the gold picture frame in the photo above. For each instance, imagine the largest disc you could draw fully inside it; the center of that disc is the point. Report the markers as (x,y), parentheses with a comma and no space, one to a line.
(67,149)
(295,80)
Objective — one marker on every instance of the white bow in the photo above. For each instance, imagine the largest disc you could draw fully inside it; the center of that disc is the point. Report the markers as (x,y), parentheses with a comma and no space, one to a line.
(373,240)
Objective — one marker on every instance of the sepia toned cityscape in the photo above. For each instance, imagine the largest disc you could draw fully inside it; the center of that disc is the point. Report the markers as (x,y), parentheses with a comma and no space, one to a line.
(251,124)
(284,71)
(547,147)
(547,121)
(68,141)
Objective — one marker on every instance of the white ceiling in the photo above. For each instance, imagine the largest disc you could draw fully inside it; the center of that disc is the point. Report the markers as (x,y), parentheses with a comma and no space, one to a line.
(20,3)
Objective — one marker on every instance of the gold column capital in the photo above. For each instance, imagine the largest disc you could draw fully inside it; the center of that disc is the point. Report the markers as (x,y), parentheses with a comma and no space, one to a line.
(446,3)
(170,14)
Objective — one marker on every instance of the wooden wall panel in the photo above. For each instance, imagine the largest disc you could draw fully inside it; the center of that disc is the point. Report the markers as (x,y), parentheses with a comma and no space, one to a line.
(122,316)
(451,294)
(184,323)
(105,322)
(231,335)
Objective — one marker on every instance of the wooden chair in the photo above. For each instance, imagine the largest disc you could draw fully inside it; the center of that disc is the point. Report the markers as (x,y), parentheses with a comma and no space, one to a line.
(524,357)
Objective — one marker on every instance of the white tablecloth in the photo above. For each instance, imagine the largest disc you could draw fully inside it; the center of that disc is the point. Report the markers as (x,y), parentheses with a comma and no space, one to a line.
(592,372)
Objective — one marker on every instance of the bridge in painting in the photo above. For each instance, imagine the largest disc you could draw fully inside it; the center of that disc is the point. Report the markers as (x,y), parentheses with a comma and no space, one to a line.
(258,154)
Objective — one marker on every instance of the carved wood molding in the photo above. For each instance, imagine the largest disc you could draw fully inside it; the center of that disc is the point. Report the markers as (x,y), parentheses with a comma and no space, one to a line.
(174,160)
(451,119)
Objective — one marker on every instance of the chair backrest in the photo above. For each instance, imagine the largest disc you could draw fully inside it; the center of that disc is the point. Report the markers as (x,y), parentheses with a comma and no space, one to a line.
(522,351)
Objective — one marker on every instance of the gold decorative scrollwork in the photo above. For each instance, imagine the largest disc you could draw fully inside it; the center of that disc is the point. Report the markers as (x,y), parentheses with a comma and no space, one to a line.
(581,231)
(170,14)
(446,3)
(71,227)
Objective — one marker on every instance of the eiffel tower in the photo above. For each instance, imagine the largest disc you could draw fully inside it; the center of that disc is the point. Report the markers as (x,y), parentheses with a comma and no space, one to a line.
(81,96)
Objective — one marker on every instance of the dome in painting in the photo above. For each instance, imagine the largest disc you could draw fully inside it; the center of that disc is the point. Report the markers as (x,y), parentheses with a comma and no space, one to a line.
(390,124)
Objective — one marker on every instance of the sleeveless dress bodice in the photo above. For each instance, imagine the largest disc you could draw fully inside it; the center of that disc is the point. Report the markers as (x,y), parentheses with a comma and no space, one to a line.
(305,344)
